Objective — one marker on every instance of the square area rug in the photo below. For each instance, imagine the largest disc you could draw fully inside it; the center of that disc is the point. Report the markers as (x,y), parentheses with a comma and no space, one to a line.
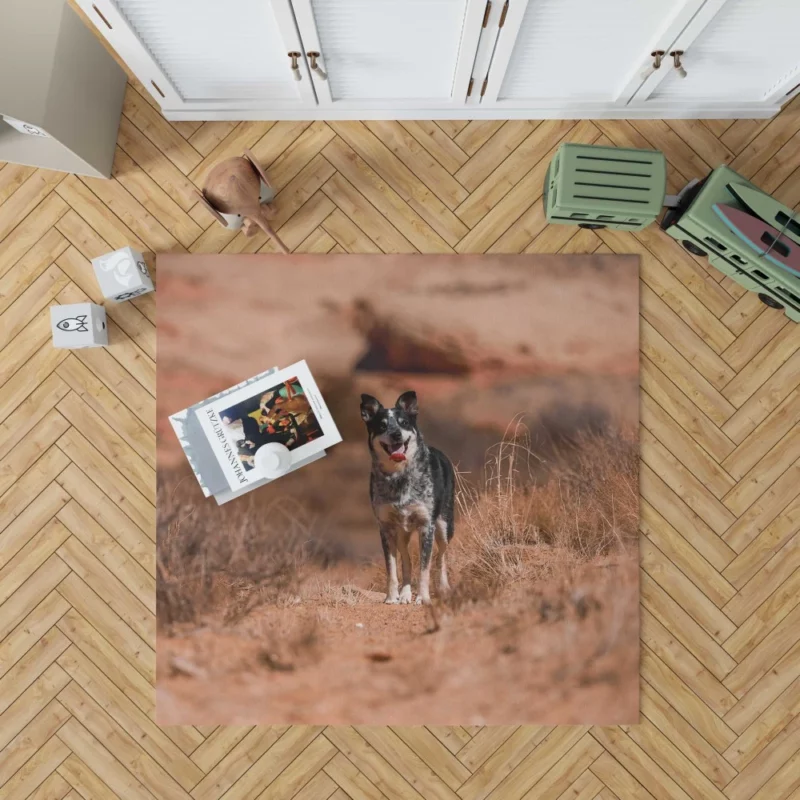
(492,404)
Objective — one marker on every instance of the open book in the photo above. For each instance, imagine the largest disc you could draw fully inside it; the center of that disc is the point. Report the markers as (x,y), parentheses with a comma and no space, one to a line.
(221,434)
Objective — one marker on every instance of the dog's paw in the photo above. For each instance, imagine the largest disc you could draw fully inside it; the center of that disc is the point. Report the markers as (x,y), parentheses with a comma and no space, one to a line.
(423,601)
(391,600)
(405,595)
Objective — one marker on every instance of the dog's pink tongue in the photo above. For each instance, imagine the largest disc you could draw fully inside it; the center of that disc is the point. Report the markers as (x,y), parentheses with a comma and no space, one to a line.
(398,456)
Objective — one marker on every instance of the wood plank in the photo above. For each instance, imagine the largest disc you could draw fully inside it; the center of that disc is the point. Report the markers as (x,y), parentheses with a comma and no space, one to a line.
(537,146)
(764,400)
(365,217)
(30,267)
(236,762)
(437,143)
(25,199)
(31,593)
(493,153)
(685,413)
(160,132)
(684,375)
(403,201)
(209,134)
(33,664)
(153,740)
(103,636)
(761,513)
(761,696)
(763,621)
(691,635)
(764,473)
(37,769)
(773,573)
(686,485)
(12,176)
(119,745)
(115,448)
(683,518)
(108,516)
(680,553)
(348,234)
(309,144)
(31,629)
(30,230)
(149,194)
(682,446)
(682,590)
(156,165)
(678,733)
(426,168)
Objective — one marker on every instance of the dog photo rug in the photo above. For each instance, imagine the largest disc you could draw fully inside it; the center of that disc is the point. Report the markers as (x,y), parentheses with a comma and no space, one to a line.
(467,554)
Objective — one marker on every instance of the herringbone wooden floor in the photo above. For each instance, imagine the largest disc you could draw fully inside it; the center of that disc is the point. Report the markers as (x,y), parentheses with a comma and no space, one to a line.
(720,471)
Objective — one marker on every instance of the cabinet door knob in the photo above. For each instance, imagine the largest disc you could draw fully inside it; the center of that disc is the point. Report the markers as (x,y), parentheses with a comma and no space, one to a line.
(676,60)
(294,55)
(313,56)
(657,55)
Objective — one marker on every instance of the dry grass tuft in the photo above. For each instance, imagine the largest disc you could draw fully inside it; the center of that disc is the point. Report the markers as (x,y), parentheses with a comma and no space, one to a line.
(514,531)
(203,567)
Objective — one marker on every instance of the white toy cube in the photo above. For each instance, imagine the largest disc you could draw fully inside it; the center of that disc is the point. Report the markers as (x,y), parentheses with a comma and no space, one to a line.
(122,274)
(79,325)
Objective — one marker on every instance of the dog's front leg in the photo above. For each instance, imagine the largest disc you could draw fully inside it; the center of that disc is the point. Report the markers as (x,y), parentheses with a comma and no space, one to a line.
(389,542)
(425,552)
(439,563)
(403,539)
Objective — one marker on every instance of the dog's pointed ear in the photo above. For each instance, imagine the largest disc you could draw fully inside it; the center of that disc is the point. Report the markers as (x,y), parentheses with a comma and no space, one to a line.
(370,406)
(408,402)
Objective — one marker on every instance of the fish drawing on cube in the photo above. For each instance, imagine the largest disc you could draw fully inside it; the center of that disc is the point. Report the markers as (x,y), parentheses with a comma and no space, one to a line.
(79,325)
(122,275)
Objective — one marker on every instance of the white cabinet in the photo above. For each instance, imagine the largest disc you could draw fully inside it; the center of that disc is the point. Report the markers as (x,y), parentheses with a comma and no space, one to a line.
(207,55)
(735,51)
(390,53)
(569,53)
(340,59)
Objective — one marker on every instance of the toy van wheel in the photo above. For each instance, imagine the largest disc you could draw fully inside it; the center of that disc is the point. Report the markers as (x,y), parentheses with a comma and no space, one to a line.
(770,301)
(693,248)
(592,226)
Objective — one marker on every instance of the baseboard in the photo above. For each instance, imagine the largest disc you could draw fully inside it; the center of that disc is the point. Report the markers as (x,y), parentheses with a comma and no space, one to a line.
(744,111)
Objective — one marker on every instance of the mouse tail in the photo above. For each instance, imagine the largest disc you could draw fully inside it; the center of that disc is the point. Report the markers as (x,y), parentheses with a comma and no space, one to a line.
(266,226)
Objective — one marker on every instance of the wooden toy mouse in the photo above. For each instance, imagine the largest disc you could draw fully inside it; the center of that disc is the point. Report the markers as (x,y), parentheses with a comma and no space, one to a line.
(238,194)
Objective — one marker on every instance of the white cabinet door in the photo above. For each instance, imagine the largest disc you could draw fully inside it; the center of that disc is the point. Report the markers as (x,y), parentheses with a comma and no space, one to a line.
(746,51)
(387,54)
(207,54)
(575,54)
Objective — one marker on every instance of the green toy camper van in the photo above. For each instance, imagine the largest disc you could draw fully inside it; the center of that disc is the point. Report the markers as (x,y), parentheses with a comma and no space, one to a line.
(610,187)
(605,187)
(701,230)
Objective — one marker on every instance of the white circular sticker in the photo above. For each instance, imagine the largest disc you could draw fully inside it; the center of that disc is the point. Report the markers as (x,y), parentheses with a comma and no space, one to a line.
(273,460)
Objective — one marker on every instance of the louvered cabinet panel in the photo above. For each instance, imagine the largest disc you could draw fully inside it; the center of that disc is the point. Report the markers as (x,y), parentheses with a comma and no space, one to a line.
(574,54)
(579,50)
(748,52)
(390,52)
(207,52)
(482,59)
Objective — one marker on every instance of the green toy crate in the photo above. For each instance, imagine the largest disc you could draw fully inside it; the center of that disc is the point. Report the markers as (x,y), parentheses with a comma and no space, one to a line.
(605,187)
(696,225)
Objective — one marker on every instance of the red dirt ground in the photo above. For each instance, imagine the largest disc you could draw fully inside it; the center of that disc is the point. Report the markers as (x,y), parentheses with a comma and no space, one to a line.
(571,657)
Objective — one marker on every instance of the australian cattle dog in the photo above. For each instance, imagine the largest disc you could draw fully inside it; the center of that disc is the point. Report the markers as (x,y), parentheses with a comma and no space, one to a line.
(412,489)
